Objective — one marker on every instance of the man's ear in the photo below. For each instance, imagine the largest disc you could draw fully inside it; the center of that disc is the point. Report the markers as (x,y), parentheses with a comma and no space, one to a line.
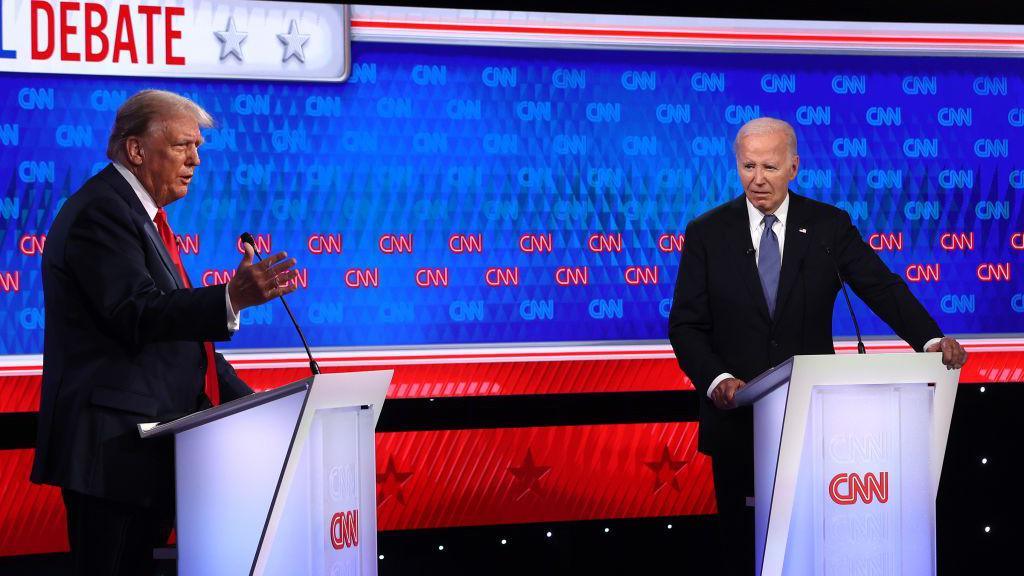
(134,151)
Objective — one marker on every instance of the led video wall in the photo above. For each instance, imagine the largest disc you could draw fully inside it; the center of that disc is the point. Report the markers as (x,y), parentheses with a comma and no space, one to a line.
(456,194)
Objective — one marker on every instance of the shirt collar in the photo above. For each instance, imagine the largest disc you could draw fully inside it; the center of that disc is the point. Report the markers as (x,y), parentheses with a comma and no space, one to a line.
(755,216)
(147,201)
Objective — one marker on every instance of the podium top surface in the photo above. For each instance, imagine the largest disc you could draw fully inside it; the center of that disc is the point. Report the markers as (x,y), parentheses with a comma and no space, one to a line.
(892,368)
(156,430)
(765,382)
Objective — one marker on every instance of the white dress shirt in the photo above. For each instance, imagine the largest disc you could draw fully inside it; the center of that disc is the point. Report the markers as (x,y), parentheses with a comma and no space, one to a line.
(756,221)
(151,209)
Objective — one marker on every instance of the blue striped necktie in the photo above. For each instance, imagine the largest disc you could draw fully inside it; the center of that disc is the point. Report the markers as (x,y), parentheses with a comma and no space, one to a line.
(769,262)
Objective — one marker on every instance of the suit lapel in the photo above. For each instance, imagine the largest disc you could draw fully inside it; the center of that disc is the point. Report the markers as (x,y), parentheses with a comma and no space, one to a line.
(121,186)
(797,242)
(158,244)
(742,253)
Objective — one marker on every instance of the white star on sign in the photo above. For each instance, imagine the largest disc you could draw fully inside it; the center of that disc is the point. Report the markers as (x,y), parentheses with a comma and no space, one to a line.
(293,42)
(231,41)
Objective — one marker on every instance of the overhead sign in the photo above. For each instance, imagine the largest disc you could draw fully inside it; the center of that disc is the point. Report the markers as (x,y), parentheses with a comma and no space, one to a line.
(229,39)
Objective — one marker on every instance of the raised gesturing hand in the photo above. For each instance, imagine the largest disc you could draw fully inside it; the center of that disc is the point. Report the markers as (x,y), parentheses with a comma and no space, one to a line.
(255,284)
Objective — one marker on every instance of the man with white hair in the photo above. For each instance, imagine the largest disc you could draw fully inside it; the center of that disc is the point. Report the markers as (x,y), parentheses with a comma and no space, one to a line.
(128,337)
(740,308)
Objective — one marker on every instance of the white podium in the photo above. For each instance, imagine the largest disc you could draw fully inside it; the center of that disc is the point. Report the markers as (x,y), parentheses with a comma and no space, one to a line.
(847,456)
(282,482)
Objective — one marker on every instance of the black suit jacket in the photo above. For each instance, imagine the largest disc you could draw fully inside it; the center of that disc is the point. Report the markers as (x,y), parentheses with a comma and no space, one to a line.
(123,345)
(719,320)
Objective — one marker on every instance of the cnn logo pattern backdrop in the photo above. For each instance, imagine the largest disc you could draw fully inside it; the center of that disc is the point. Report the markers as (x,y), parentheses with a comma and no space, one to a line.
(451,194)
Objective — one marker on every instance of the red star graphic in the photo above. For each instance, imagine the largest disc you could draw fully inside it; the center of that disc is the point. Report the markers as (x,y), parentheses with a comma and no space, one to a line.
(389,483)
(665,470)
(528,476)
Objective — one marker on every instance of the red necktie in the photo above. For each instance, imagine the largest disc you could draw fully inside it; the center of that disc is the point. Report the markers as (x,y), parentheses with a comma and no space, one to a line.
(212,387)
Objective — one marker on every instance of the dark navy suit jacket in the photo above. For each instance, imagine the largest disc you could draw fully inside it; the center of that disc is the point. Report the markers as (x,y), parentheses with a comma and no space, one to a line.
(123,345)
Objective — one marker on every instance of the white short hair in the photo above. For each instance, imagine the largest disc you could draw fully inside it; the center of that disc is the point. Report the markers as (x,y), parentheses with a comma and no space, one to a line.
(138,113)
(764,126)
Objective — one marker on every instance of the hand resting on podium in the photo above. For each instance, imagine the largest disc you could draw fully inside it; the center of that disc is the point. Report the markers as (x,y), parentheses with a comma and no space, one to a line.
(724,394)
(953,354)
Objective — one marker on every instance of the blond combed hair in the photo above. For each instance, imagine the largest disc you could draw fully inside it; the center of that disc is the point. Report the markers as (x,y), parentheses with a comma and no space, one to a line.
(142,110)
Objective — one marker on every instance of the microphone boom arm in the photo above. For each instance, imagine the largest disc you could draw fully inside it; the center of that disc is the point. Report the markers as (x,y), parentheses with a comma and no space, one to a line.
(313,366)
(849,305)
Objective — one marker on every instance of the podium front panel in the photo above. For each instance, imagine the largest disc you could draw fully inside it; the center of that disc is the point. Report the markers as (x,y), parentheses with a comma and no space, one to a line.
(863,504)
(848,452)
(225,472)
(323,529)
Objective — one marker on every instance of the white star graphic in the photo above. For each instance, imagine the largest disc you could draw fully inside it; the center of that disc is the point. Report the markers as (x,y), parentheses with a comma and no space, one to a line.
(293,42)
(231,41)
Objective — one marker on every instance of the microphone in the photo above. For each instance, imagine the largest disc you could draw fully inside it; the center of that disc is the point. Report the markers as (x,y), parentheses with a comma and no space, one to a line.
(313,366)
(860,343)
(749,251)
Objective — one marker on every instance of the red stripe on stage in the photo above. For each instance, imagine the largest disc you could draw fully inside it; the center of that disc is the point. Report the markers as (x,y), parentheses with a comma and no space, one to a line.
(19,393)
(461,378)
(505,378)
(993,367)
(31,516)
(449,478)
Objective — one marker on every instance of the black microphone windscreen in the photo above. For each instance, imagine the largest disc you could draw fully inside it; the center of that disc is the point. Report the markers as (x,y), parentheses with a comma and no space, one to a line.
(248,239)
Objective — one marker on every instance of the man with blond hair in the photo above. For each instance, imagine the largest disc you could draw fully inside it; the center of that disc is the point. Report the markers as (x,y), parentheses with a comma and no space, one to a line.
(129,339)
(740,308)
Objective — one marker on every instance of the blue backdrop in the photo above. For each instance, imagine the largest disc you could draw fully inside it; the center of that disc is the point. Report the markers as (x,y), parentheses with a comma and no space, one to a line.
(607,154)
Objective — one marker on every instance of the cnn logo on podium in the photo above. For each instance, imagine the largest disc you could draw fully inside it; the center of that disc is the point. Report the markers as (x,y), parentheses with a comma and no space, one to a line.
(345,530)
(849,488)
